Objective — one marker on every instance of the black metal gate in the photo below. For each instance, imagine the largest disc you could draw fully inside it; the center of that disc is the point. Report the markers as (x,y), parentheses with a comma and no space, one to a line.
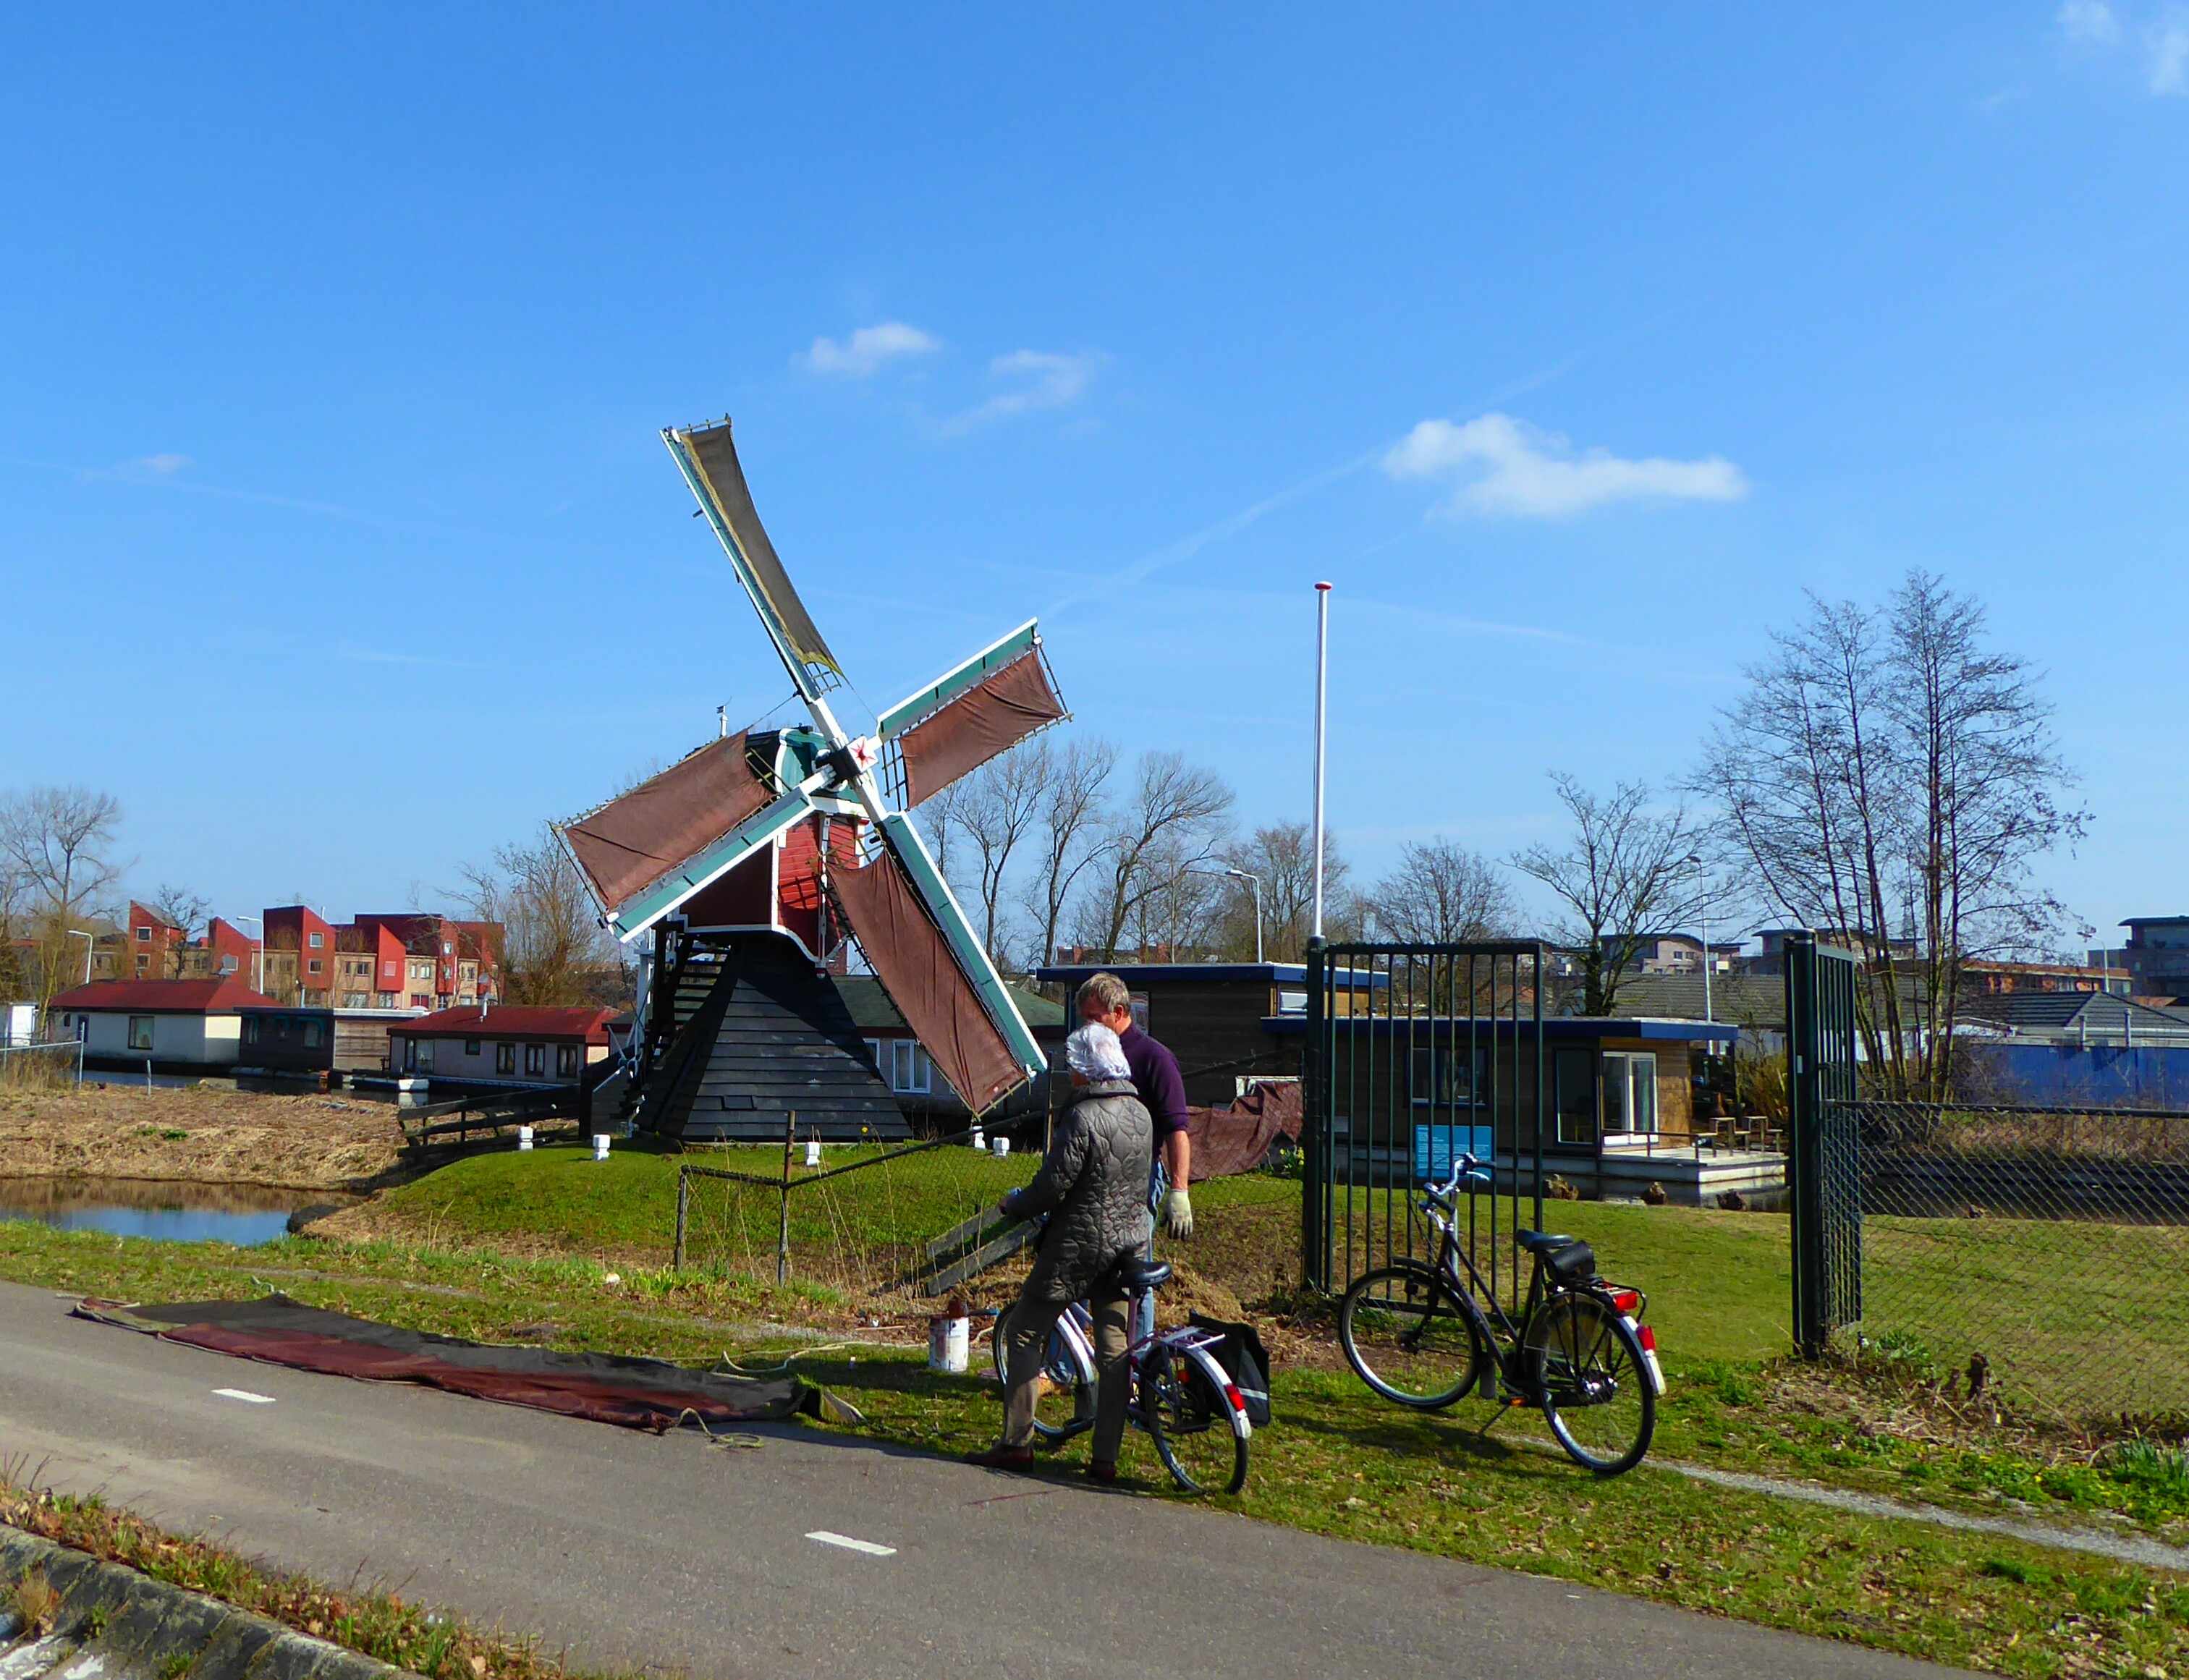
(1416,1053)
(1824,1132)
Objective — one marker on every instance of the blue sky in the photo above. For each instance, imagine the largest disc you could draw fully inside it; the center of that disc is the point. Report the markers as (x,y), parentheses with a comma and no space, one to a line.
(336,537)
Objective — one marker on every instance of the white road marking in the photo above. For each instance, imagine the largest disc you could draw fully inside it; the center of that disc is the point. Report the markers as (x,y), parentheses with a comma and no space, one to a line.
(850,1544)
(245,1395)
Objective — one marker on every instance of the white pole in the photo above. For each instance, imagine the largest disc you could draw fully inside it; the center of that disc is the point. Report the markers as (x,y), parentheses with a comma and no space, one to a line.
(1708,964)
(1321,709)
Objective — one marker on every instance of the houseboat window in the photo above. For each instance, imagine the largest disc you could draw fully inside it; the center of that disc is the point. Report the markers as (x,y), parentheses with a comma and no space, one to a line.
(1629,1093)
(311,1035)
(425,1054)
(1574,1073)
(1291,1002)
(140,1032)
(566,1061)
(251,1029)
(471,1046)
(535,1058)
(505,1058)
(1451,1075)
(909,1066)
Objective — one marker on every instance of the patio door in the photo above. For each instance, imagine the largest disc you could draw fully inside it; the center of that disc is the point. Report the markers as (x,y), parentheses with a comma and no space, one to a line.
(1629,1095)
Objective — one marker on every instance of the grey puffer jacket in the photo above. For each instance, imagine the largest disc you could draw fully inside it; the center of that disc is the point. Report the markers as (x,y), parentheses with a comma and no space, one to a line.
(1094,1186)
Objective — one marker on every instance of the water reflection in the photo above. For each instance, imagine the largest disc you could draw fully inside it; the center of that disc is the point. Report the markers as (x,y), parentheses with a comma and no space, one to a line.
(245,1215)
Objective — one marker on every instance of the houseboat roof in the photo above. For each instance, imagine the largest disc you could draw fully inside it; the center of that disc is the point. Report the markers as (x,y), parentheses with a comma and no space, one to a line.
(511,1021)
(217,995)
(1571,1026)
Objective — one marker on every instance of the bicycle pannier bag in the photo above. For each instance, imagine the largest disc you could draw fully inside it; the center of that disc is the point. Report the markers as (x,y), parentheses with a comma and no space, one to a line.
(1572,1266)
(1245,1360)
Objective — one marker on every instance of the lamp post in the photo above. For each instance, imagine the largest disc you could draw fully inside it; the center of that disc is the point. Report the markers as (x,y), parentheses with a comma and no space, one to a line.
(90,944)
(257,953)
(1252,880)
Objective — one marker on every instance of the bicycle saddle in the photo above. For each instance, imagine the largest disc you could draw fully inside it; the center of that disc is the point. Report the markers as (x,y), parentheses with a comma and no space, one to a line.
(1543,1241)
(1135,1273)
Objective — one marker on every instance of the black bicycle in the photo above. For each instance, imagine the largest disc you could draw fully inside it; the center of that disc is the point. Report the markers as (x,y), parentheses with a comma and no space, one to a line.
(1426,1334)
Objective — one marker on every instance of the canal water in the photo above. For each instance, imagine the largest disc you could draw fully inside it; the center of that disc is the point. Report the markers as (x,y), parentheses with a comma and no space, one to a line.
(246,1215)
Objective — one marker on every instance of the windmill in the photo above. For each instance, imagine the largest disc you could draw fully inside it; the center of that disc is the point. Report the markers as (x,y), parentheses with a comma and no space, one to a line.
(736,862)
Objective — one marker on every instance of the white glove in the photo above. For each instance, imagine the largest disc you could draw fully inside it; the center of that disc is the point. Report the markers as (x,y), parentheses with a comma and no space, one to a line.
(1177,1213)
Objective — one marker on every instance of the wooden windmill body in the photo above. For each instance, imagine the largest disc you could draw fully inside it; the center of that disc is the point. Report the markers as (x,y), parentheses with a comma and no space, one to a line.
(743,872)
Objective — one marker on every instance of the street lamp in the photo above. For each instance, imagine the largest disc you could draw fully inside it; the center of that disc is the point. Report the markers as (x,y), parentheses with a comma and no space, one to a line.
(90,944)
(257,953)
(1252,880)
(1703,915)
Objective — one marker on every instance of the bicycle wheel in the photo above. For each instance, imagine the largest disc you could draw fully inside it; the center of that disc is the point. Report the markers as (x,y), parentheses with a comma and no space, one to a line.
(1403,1333)
(1193,1422)
(1064,1393)
(1587,1364)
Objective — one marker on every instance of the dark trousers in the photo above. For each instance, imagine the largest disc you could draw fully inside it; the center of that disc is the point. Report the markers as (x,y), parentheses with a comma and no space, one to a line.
(1025,1332)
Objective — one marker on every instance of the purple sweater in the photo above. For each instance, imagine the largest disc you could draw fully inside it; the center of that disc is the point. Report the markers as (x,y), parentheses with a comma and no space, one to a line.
(1157,1077)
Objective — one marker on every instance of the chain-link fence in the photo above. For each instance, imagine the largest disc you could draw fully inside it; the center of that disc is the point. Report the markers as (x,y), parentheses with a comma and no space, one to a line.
(2032,1254)
(869,1220)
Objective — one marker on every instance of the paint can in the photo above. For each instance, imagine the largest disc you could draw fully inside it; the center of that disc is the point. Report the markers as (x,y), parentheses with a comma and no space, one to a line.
(812,1152)
(524,1137)
(949,1341)
(999,1147)
(600,1146)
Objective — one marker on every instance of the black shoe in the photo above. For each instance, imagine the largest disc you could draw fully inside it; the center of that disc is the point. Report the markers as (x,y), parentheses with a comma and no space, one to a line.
(1003,1457)
(1102,1470)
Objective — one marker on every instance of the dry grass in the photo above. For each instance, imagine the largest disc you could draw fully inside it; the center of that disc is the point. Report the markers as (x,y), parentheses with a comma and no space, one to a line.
(200,1135)
(377,1624)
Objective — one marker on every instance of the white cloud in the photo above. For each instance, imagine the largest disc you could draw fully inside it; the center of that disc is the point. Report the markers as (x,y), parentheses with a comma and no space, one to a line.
(2157,47)
(159,466)
(2166,47)
(868,349)
(2088,23)
(1041,379)
(1503,465)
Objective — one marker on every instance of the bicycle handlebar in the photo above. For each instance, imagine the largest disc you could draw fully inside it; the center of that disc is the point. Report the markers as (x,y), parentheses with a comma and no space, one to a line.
(1466,1169)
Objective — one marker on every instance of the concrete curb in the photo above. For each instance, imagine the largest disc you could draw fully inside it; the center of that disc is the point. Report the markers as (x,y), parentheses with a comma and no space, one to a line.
(145,1625)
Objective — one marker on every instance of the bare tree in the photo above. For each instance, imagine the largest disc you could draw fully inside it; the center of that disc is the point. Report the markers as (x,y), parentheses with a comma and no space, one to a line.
(1183,910)
(1001,803)
(554,950)
(1886,767)
(1631,874)
(1173,822)
(1442,894)
(1068,827)
(58,845)
(185,912)
(1282,858)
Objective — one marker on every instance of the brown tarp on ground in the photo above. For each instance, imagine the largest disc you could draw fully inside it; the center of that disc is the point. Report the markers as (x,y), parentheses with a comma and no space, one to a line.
(639,1393)
(1237,1139)
(982,721)
(717,459)
(633,840)
(915,966)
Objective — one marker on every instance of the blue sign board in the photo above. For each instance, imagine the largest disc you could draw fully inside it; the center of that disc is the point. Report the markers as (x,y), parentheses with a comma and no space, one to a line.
(1434,1147)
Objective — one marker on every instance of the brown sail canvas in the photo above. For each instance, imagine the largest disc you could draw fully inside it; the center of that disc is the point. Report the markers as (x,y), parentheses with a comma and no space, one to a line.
(984,721)
(633,840)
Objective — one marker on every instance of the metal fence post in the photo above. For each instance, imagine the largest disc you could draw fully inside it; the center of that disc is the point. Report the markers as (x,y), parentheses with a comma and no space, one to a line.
(1314,1120)
(1804,1164)
(783,1229)
(683,1201)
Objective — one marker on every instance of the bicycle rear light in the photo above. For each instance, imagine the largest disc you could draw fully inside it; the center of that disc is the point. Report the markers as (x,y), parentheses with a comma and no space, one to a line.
(1628,1301)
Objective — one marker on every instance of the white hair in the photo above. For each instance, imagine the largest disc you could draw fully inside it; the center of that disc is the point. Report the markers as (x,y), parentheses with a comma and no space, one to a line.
(1094,1051)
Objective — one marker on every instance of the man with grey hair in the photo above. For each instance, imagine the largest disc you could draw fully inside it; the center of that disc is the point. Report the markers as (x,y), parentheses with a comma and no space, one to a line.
(1092,1186)
(1105,999)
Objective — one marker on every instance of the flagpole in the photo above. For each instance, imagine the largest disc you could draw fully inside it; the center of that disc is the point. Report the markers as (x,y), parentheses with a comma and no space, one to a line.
(1321,709)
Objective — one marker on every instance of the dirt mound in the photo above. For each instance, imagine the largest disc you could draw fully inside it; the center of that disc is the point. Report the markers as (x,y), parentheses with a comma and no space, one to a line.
(204,1135)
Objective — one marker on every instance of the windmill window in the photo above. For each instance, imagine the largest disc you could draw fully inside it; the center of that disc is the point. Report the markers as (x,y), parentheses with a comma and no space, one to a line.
(909,1067)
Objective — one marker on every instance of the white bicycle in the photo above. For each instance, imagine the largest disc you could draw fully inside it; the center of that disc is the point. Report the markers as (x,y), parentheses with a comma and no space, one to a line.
(1184,1400)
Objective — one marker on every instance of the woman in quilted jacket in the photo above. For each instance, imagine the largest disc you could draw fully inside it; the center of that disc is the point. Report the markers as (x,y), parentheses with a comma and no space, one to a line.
(1093,1185)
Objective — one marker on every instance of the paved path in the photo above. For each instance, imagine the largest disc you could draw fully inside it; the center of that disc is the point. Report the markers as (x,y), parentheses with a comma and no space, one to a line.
(631,1549)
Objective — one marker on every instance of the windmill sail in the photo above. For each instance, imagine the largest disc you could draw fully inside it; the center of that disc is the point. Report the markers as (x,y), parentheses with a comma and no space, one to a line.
(914,964)
(723,482)
(636,837)
(987,718)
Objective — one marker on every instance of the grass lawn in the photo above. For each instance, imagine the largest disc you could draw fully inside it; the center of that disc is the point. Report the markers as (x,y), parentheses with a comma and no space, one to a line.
(514,1238)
